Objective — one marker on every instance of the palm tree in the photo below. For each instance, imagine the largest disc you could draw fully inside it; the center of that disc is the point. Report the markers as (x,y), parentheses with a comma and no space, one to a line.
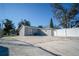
(65,15)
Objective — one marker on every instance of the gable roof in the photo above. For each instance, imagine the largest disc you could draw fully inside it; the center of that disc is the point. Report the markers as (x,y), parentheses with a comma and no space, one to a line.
(33,27)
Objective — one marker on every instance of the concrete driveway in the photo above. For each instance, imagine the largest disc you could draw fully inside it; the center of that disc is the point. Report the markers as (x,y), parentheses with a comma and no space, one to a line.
(13,47)
(58,45)
(42,45)
(62,47)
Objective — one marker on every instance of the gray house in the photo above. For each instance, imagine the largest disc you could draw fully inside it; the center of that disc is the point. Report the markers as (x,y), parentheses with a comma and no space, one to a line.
(34,31)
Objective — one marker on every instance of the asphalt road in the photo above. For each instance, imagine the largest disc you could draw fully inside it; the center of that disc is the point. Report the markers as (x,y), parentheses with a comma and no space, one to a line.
(19,48)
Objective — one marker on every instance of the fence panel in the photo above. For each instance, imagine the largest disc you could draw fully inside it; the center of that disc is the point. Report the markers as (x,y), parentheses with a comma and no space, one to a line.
(69,32)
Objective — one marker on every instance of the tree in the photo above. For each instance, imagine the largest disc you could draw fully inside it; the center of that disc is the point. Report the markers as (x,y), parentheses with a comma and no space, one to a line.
(65,15)
(24,22)
(51,23)
(75,23)
(40,26)
(56,27)
(8,26)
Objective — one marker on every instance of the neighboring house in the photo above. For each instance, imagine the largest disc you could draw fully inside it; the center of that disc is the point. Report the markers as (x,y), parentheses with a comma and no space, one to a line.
(34,31)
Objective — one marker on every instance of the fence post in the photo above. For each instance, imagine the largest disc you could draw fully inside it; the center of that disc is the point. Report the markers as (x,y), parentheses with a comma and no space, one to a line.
(51,31)
(65,33)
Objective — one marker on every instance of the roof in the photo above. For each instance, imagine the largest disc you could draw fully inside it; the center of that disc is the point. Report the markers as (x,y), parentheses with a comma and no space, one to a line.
(34,27)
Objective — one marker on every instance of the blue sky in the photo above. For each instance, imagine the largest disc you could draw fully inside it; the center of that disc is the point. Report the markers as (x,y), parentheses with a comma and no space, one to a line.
(37,14)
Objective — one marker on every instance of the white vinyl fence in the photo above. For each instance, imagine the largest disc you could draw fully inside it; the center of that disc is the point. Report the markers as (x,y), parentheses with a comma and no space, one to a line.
(69,32)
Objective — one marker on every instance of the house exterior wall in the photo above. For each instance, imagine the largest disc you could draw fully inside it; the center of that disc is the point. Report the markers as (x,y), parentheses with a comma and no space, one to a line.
(28,31)
(34,30)
(22,31)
